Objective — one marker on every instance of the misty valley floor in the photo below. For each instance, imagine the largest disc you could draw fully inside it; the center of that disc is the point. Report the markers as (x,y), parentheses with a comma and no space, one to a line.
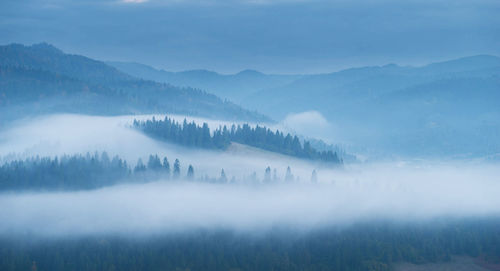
(94,212)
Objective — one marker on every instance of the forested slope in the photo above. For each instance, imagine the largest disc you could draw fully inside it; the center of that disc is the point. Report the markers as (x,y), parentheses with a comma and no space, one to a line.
(42,79)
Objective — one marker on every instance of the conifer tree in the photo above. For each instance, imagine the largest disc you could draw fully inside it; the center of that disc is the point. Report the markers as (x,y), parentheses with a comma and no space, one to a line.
(267,175)
(314,177)
(288,175)
(154,163)
(275,175)
(223,177)
(140,167)
(166,167)
(190,173)
(177,169)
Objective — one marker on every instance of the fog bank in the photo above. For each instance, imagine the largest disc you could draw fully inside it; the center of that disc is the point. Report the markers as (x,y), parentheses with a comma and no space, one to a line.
(396,191)
(173,207)
(56,135)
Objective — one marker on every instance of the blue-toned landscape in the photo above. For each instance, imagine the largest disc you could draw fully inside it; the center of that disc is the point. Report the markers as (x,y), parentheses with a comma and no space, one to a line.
(249,135)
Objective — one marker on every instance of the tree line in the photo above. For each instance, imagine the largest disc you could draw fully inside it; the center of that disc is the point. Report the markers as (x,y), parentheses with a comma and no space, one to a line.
(97,170)
(192,135)
(88,171)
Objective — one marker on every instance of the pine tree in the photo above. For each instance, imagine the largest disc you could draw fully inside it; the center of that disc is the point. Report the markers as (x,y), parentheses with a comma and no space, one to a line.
(140,167)
(190,173)
(267,175)
(223,177)
(289,175)
(314,177)
(154,163)
(177,169)
(275,175)
(166,167)
(192,135)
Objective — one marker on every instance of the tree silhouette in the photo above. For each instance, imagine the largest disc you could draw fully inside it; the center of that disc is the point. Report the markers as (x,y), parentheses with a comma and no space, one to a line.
(190,173)
(267,175)
(177,169)
(192,135)
(140,167)
(166,167)
(223,177)
(289,176)
(314,177)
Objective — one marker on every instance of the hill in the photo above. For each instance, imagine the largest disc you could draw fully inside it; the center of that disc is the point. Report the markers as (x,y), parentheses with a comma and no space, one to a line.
(447,108)
(235,87)
(42,79)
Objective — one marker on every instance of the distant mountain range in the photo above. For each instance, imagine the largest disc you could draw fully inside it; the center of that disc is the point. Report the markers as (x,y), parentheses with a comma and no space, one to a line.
(450,107)
(447,108)
(234,87)
(42,79)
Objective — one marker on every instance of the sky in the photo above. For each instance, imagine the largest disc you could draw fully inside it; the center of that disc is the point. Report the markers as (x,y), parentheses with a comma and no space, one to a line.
(272,36)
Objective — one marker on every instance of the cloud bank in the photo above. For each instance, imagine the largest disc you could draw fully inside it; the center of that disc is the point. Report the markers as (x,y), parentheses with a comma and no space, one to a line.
(309,123)
(396,191)
(166,207)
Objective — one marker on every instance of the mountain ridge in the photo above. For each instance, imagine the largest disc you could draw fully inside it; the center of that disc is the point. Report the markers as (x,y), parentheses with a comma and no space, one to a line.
(43,68)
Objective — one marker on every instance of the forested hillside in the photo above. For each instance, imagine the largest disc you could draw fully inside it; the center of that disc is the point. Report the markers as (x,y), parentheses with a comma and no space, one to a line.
(349,90)
(42,79)
(403,110)
(98,170)
(444,109)
(193,135)
(81,172)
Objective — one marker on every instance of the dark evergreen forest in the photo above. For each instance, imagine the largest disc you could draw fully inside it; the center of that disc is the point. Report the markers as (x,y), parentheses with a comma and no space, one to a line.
(88,171)
(364,247)
(193,135)
(92,171)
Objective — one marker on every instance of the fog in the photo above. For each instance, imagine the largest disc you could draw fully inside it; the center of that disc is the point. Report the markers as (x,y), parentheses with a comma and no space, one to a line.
(378,192)
(57,135)
(393,191)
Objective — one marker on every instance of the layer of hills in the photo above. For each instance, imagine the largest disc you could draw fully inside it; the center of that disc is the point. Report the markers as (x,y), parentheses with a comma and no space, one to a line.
(41,79)
(446,108)
(450,108)
(235,87)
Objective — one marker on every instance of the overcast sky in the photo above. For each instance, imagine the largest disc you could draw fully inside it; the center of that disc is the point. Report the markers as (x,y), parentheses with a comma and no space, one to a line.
(278,36)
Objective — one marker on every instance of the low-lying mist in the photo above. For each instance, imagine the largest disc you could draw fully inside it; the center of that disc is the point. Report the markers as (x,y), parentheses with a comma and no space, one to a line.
(395,191)
(57,135)
(378,193)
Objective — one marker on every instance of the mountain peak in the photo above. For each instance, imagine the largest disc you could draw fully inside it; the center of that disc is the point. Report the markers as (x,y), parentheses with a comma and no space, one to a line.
(249,72)
(46,47)
(390,65)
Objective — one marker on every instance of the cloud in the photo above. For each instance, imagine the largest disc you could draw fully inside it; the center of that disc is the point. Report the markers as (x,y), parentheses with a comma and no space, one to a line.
(394,191)
(309,123)
(75,134)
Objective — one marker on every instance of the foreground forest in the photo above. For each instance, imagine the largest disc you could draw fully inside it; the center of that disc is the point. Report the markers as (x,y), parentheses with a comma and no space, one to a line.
(364,247)
(368,244)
